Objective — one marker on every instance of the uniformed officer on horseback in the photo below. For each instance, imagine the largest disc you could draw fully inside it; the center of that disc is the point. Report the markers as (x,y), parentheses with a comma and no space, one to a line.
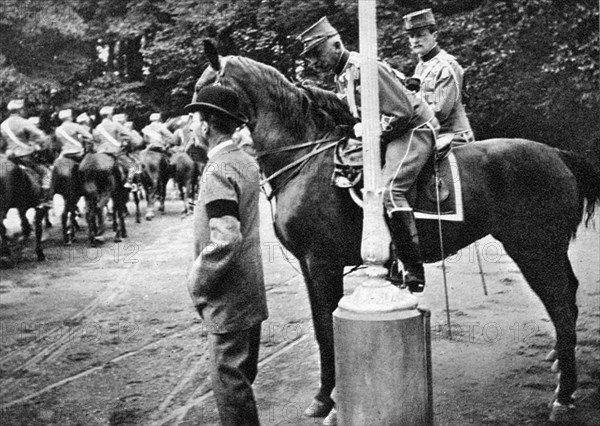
(113,138)
(71,136)
(23,140)
(409,131)
(157,136)
(438,77)
(84,120)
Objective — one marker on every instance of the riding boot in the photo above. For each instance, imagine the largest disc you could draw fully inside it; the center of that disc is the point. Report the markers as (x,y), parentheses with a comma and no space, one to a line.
(404,233)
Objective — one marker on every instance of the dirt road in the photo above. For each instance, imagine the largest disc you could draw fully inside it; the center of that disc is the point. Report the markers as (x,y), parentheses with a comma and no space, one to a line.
(108,336)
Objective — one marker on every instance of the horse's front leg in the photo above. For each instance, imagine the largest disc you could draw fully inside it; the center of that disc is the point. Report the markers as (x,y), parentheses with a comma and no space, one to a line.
(324,280)
(5,254)
(40,214)
(150,200)
(25,225)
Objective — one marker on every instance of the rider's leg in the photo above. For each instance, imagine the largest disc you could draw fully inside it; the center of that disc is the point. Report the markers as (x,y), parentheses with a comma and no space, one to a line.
(131,168)
(404,159)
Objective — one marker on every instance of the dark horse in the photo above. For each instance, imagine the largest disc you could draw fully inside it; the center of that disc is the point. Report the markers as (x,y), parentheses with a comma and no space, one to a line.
(102,180)
(66,182)
(154,177)
(19,188)
(529,196)
(184,168)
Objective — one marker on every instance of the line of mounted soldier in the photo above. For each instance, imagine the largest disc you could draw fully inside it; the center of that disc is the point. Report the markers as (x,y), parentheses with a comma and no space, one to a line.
(35,165)
(26,145)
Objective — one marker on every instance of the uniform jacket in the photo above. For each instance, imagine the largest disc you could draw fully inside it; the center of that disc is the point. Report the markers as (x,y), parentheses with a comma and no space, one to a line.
(26,133)
(113,145)
(157,134)
(72,137)
(441,87)
(400,109)
(226,279)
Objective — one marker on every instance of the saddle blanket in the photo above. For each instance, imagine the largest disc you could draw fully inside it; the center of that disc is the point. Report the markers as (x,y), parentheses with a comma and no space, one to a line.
(423,199)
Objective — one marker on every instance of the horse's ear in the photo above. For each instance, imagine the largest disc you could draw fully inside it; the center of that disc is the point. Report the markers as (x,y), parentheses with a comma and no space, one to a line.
(210,50)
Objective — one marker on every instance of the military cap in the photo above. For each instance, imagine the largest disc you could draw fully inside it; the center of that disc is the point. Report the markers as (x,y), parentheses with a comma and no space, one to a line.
(82,118)
(155,116)
(120,118)
(15,104)
(106,110)
(34,120)
(420,19)
(316,34)
(65,113)
(218,100)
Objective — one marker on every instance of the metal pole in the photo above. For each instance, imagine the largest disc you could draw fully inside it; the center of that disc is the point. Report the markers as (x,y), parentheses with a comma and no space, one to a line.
(382,373)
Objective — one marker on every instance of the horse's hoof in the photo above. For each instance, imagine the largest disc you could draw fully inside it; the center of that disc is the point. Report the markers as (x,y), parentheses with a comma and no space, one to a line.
(562,413)
(41,257)
(555,368)
(318,409)
(331,419)
(149,217)
(118,239)
(98,240)
(551,355)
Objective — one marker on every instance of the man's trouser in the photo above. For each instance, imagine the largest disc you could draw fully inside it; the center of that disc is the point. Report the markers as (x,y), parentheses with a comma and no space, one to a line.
(130,165)
(234,358)
(404,159)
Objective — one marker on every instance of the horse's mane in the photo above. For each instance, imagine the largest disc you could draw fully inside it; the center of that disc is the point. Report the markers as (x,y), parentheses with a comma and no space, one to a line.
(291,103)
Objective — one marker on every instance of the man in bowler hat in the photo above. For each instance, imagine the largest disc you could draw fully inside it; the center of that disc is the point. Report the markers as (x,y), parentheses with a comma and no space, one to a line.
(226,278)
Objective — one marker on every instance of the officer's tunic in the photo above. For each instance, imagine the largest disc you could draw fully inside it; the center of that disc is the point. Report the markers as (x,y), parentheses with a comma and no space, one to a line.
(441,87)
(26,133)
(71,137)
(156,134)
(409,127)
(113,144)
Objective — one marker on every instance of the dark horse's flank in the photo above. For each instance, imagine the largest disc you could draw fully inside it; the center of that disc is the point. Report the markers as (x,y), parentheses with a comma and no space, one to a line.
(529,196)
(19,188)
(101,181)
(66,182)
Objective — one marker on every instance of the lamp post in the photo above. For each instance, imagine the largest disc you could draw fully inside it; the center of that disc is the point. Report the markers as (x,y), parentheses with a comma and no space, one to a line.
(382,345)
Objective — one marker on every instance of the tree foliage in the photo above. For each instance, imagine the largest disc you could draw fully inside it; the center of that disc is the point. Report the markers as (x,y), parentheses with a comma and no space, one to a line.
(532,65)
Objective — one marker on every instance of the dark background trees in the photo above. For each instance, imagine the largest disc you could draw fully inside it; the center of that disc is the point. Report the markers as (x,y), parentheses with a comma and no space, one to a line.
(532,65)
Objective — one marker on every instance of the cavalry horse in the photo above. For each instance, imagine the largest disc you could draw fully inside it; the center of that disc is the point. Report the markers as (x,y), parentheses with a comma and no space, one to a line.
(19,188)
(102,180)
(154,177)
(184,168)
(66,182)
(529,196)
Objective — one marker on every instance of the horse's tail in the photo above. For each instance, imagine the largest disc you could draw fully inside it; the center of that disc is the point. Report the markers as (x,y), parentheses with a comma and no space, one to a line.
(588,180)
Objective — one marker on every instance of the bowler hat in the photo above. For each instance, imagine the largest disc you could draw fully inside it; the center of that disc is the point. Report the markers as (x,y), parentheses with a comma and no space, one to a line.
(420,19)
(218,100)
(316,34)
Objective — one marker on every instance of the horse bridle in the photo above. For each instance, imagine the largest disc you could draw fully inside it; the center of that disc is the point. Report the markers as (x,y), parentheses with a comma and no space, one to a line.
(297,164)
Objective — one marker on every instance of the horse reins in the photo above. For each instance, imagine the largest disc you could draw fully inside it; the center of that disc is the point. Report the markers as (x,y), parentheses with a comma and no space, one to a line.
(297,164)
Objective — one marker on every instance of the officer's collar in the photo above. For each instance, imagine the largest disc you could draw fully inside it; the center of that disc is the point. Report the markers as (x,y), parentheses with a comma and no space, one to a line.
(429,55)
(341,63)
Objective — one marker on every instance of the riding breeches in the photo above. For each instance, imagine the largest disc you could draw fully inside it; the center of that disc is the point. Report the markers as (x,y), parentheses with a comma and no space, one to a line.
(404,159)
(43,172)
(130,165)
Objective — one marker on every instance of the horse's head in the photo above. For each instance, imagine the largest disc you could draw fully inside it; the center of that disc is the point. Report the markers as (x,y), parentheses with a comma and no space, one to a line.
(279,112)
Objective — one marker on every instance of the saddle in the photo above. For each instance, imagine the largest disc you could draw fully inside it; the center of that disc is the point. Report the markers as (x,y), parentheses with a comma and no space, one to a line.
(441,170)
